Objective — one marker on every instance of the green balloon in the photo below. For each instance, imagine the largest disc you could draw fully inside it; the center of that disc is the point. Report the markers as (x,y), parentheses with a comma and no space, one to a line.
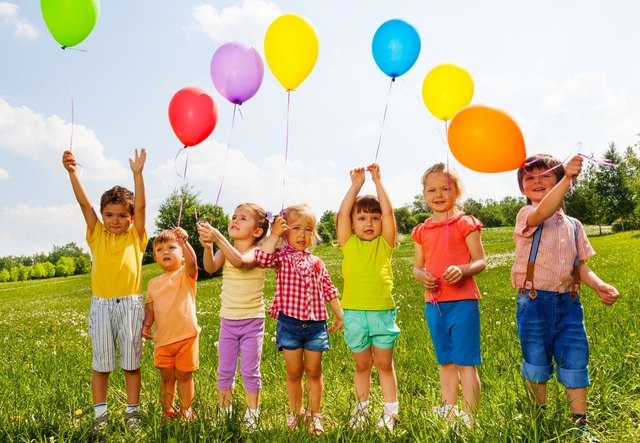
(70,21)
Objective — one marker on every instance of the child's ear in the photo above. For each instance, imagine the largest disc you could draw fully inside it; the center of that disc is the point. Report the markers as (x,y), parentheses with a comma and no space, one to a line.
(257,233)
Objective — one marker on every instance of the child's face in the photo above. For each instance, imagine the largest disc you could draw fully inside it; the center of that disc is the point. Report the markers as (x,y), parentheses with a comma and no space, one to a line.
(244,224)
(116,218)
(538,183)
(439,193)
(367,226)
(168,255)
(300,233)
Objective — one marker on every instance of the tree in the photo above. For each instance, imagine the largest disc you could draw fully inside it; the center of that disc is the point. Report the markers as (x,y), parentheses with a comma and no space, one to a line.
(327,226)
(405,221)
(65,267)
(183,206)
(69,250)
(612,188)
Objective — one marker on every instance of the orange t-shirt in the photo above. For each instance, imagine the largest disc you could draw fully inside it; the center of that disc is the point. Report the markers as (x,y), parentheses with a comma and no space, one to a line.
(444,244)
(173,295)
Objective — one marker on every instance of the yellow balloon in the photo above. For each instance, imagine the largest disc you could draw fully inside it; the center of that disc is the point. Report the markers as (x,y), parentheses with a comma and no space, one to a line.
(446,90)
(291,49)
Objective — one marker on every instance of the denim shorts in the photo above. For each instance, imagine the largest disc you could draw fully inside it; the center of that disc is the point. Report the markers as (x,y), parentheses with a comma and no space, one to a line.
(363,329)
(292,334)
(551,327)
(455,331)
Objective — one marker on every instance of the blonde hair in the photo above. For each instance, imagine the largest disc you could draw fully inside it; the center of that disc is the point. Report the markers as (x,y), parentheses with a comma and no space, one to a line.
(262,221)
(294,212)
(440,168)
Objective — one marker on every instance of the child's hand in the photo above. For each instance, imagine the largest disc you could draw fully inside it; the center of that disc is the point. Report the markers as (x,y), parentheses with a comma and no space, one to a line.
(146,332)
(206,233)
(374,169)
(453,274)
(279,226)
(429,282)
(69,161)
(357,176)
(573,167)
(181,234)
(336,326)
(607,293)
(137,163)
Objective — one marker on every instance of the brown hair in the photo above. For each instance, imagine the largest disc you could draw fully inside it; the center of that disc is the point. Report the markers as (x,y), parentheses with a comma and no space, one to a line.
(261,218)
(540,161)
(295,212)
(117,196)
(368,204)
(440,168)
(166,236)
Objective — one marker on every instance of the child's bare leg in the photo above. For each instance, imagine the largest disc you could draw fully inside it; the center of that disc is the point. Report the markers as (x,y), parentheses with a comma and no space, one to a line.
(132,382)
(253,399)
(449,379)
(295,368)
(538,392)
(167,388)
(383,360)
(577,400)
(225,398)
(185,388)
(99,386)
(362,376)
(313,372)
(470,388)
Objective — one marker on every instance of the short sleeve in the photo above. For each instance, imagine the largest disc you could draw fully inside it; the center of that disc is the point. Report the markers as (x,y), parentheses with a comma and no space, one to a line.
(467,224)
(416,233)
(521,228)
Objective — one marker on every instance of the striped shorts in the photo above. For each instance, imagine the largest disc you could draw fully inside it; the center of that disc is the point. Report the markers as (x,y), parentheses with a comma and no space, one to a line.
(116,320)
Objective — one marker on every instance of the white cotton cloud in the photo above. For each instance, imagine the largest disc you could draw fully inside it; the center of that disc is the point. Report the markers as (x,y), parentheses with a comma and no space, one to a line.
(10,16)
(4,174)
(246,24)
(26,133)
(32,229)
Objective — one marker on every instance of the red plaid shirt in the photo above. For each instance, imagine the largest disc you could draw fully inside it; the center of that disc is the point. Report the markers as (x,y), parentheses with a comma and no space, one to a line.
(303,284)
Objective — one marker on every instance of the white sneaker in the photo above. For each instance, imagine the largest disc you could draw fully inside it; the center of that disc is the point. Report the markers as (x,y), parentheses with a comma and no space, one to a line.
(446,412)
(250,421)
(359,419)
(387,421)
(466,418)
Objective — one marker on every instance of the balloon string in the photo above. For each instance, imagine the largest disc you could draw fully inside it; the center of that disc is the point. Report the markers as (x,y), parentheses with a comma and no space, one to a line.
(384,118)
(226,154)
(286,148)
(184,182)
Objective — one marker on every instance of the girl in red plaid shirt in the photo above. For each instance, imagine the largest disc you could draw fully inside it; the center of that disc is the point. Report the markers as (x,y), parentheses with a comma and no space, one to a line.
(303,286)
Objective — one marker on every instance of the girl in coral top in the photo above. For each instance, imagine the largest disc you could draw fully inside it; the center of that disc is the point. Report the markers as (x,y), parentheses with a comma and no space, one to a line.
(448,253)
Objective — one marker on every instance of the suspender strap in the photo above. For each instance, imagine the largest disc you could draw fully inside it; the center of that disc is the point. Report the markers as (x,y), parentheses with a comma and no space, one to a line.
(532,262)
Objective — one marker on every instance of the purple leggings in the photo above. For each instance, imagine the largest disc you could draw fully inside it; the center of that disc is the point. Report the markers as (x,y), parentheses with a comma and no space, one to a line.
(240,338)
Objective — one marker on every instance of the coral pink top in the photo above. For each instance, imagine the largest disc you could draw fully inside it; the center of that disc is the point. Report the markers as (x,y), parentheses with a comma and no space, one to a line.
(444,244)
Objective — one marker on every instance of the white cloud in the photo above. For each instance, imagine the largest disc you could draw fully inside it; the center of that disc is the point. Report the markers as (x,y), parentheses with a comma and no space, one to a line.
(10,15)
(27,234)
(4,174)
(29,134)
(246,24)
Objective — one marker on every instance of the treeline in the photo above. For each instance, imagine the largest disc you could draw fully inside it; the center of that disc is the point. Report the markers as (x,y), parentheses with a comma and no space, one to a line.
(604,194)
(62,261)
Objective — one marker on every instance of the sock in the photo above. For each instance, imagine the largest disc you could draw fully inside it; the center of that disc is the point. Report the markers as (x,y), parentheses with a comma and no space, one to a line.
(100,409)
(252,413)
(362,405)
(133,407)
(226,409)
(391,408)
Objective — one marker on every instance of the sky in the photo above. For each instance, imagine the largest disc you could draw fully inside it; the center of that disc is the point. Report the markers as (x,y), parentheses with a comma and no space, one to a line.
(568,73)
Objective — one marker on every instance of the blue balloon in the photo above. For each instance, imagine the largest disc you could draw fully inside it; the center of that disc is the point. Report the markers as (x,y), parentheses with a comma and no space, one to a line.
(396,45)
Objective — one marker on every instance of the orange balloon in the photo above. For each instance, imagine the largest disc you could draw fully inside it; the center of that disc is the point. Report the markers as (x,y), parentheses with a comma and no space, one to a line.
(486,140)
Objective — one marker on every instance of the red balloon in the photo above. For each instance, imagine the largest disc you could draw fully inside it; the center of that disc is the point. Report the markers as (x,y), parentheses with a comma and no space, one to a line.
(193,115)
(486,140)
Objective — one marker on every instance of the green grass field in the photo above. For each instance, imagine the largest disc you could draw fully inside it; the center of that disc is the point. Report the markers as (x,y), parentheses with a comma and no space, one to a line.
(45,364)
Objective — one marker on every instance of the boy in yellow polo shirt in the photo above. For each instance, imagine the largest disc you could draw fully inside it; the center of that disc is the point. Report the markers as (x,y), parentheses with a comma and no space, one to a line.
(117,244)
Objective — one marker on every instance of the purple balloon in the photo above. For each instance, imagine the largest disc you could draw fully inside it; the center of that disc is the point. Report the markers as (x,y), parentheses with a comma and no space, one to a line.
(236,71)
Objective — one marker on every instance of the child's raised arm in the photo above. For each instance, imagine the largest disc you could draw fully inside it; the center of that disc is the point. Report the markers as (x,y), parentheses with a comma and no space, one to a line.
(343,219)
(552,201)
(140,200)
(189,254)
(278,228)
(238,259)
(389,228)
(89,214)
(211,261)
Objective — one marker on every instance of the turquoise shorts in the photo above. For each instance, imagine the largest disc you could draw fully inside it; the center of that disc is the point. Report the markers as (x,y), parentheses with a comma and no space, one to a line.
(363,329)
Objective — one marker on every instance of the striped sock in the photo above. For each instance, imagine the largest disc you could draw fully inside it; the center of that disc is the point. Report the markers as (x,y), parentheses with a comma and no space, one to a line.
(100,409)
